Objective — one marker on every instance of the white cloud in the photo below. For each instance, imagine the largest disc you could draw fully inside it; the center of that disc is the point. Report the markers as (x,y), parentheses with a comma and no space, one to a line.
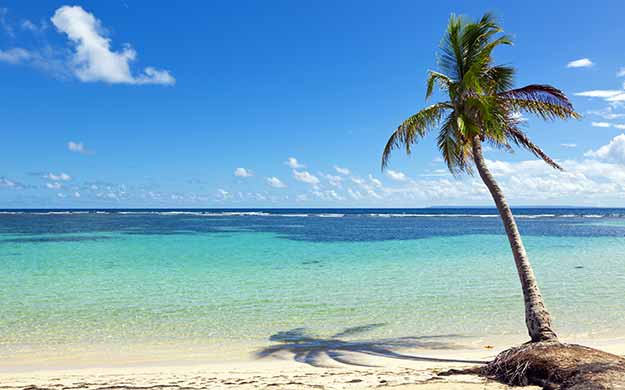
(437,173)
(60,177)
(568,145)
(223,194)
(242,172)
(305,177)
(597,179)
(78,147)
(6,183)
(370,188)
(601,124)
(358,181)
(619,126)
(327,195)
(621,72)
(93,59)
(599,93)
(342,171)
(374,181)
(33,27)
(607,113)
(48,59)
(54,186)
(396,175)
(333,180)
(6,26)
(354,194)
(613,151)
(293,163)
(28,25)
(152,75)
(617,98)
(275,182)
(15,55)
(581,63)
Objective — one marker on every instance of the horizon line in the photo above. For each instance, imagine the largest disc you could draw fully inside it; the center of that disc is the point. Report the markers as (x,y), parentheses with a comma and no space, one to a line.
(310,208)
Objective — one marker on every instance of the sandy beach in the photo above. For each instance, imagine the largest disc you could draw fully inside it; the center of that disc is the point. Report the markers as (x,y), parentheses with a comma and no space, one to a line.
(279,372)
(312,195)
(271,374)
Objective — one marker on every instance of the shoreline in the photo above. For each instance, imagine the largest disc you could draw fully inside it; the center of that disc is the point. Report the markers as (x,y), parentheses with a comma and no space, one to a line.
(353,370)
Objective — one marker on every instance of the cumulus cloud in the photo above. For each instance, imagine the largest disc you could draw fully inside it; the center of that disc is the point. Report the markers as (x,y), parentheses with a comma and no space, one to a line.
(293,163)
(613,151)
(93,59)
(242,172)
(367,188)
(376,182)
(342,171)
(78,147)
(600,124)
(275,182)
(333,180)
(54,186)
(581,63)
(396,175)
(621,72)
(305,177)
(58,177)
(327,195)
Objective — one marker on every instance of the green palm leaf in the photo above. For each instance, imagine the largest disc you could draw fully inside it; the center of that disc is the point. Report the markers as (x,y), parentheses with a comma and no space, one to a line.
(413,128)
(482,104)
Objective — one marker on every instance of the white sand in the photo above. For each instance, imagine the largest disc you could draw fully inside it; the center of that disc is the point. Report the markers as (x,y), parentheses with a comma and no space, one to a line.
(280,372)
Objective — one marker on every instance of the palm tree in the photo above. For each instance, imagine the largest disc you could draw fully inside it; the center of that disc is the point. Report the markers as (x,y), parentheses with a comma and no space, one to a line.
(483,108)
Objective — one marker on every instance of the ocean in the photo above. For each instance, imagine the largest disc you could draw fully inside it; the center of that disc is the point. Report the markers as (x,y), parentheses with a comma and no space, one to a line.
(215,283)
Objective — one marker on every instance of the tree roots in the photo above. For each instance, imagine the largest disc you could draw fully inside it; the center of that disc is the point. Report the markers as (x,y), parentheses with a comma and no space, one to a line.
(554,365)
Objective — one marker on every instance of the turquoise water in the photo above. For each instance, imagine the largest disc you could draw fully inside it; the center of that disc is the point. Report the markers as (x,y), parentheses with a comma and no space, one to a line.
(245,279)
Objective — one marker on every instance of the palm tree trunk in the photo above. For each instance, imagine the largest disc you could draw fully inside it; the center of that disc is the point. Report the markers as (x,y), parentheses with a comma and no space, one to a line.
(537,317)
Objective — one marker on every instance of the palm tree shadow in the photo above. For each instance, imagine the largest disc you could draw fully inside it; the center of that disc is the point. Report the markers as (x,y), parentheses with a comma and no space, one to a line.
(318,351)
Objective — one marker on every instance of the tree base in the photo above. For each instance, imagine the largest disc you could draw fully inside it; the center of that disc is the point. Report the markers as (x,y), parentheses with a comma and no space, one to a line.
(554,365)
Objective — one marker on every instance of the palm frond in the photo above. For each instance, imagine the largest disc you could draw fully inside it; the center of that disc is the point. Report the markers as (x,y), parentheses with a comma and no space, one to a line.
(476,35)
(413,128)
(450,60)
(501,78)
(543,100)
(453,145)
(482,104)
(473,79)
(449,144)
(443,81)
(519,138)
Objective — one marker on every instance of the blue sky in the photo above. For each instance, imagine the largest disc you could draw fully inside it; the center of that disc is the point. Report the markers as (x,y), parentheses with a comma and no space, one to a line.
(285,104)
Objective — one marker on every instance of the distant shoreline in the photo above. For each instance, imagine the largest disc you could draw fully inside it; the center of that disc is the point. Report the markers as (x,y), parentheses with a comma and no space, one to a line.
(306,208)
